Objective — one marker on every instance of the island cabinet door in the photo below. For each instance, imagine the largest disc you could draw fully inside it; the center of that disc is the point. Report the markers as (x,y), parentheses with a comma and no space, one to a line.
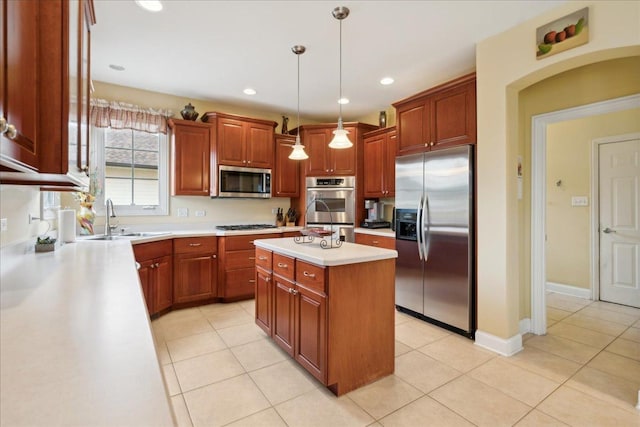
(283,312)
(311,331)
(264,300)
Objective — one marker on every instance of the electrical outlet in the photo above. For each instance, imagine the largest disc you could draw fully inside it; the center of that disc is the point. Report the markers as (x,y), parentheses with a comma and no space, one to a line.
(201,213)
(3,224)
(579,201)
(274,211)
(183,212)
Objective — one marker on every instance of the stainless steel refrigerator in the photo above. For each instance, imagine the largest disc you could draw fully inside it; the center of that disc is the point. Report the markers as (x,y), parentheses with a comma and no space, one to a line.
(434,238)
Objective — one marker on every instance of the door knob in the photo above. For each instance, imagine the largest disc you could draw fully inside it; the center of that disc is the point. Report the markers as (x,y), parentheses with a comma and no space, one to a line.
(608,230)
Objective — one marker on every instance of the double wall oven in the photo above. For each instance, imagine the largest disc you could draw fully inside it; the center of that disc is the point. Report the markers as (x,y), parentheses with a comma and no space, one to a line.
(331,203)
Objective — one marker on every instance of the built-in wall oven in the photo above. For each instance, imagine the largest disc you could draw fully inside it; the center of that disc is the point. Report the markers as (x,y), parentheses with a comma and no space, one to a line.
(331,202)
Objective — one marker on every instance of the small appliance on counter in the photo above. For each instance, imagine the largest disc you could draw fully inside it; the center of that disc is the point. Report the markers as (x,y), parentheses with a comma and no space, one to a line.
(375,210)
(375,224)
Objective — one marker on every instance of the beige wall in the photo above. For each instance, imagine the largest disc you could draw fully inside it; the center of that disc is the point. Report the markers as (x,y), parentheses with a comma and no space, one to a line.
(569,160)
(506,64)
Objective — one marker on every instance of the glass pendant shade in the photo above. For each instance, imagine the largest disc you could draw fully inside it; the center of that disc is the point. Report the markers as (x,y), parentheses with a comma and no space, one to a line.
(298,151)
(340,138)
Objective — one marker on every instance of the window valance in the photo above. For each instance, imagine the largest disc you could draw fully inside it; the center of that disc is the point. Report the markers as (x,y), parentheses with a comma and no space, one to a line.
(120,115)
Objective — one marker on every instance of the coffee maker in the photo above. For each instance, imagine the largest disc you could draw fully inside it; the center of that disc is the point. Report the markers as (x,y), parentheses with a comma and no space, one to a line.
(375,215)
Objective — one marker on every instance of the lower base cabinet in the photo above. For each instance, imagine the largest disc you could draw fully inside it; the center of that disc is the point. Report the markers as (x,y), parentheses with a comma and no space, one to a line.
(195,269)
(237,254)
(375,240)
(156,271)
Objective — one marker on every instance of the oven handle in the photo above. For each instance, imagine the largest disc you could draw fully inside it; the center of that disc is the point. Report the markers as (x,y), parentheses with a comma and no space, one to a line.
(330,188)
(419,227)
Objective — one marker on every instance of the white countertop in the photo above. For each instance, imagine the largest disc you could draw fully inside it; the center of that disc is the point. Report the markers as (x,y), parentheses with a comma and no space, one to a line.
(76,346)
(385,232)
(348,253)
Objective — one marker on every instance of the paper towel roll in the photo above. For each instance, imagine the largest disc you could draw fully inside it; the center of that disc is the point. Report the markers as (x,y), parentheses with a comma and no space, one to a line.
(67,225)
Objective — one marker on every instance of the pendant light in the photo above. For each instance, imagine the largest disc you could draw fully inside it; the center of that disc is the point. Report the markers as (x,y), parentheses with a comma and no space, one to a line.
(298,149)
(340,139)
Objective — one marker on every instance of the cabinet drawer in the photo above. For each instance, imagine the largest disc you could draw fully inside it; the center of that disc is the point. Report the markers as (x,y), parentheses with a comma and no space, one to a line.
(146,251)
(263,258)
(377,241)
(239,259)
(188,245)
(284,266)
(238,243)
(240,283)
(310,275)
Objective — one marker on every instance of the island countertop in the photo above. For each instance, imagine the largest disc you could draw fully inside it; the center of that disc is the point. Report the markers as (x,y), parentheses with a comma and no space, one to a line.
(348,253)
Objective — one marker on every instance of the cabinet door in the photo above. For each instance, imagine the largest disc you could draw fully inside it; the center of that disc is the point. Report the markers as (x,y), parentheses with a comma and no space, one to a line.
(163,291)
(240,283)
(389,168)
(146,272)
(231,149)
(374,166)
(316,143)
(264,300)
(287,171)
(283,312)
(454,116)
(414,127)
(195,277)
(259,145)
(311,332)
(342,161)
(191,151)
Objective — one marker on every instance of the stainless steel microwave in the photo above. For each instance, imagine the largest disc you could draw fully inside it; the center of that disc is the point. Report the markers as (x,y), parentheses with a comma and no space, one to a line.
(242,182)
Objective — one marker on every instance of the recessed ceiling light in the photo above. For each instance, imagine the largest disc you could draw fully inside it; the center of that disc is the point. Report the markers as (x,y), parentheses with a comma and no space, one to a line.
(116,67)
(386,81)
(249,91)
(343,101)
(150,5)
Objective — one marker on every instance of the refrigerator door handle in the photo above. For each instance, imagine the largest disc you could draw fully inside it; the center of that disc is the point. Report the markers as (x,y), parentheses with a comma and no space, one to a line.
(426,229)
(419,227)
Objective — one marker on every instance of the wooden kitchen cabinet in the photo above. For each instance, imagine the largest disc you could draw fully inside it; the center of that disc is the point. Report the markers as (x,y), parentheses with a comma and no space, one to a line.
(195,269)
(437,118)
(243,141)
(191,155)
(156,274)
(287,171)
(375,240)
(380,163)
(263,301)
(324,161)
(45,85)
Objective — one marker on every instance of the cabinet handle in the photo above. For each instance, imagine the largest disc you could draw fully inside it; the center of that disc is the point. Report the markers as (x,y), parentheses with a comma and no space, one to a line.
(307,274)
(262,258)
(252,281)
(375,242)
(195,244)
(281,265)
(432,143)
(8,129)
(214,256)
(151,266)
(294,292)
(252,257)
(248,162)
(157,265)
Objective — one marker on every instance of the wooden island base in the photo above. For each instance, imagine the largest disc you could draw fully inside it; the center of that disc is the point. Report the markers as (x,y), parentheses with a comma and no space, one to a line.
(336,321)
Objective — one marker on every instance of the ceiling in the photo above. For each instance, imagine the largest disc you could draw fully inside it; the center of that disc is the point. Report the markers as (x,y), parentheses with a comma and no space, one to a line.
(212,50)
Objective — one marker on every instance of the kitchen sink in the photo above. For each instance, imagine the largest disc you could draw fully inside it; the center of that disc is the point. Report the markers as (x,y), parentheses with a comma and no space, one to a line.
(129,236)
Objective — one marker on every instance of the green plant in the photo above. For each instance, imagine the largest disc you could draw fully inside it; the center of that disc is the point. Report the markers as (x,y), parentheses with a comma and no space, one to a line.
(45,240)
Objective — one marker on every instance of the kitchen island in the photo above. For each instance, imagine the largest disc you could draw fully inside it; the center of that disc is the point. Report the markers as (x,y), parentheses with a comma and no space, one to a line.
(332,310)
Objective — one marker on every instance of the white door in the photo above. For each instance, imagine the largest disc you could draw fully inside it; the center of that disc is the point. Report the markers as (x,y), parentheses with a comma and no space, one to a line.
(619,192)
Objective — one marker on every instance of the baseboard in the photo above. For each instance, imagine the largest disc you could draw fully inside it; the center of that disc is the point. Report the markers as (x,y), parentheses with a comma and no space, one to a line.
(569,290)
(505,347)
(524,326)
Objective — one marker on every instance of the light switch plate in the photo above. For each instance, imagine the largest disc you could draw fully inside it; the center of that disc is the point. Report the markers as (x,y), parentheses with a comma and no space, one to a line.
(201,213)
(3,224)
(183,212)
(579,201)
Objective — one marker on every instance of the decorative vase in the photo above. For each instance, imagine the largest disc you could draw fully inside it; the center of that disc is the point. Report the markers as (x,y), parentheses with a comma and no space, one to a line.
(382,119)
(189,112)
(285,122)
(86,216)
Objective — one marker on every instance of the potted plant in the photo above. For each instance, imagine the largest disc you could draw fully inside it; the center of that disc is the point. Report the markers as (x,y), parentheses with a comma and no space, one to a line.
(45,244)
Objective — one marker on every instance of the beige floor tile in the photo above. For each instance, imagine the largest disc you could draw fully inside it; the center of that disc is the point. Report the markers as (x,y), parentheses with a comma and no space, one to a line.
(459,353)
(551,322)
(601,385)
(524,385)
(479,403)
(258,354)
(637,324)
(184,328)
(557,314)
(402,317)
(163,353)
(548,365)
(626,348)
(180,411)
(267,418)
(170,380)
(527,336)
(180,316)
(224,402)
(229,318)
(249,306)
(594,324)
(195,345)
(581,335)
(207,369)
(563,347)
(210,309)
(625,309)
(631,334)
(615,364)
(424,412)
(580,409)
(566,302)
(401,348)
(283,381)
(609,316)
(423,372)
(321,408)
(536,418)
(241,334)
(416,333)
(384,396)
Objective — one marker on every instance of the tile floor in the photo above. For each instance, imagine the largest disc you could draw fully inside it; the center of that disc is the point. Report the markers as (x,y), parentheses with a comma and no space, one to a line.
(220,369)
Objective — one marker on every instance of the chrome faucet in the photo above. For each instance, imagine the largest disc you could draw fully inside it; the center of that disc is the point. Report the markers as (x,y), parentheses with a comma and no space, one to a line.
(107,224)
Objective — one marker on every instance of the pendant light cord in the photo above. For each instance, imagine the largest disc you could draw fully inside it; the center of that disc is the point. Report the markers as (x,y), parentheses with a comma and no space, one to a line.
(297,137)
(340,61)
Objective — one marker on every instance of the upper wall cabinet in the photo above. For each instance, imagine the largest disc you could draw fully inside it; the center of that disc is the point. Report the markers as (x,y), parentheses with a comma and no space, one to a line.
(191,156)
(243,141)
(380,163)
(437,118)
(44,85)
(287,171)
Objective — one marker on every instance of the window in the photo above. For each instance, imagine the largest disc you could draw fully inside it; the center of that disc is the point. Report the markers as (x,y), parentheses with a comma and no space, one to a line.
(131,170)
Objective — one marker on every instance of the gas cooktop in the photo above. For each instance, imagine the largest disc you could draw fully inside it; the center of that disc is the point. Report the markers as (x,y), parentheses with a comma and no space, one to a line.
(244,227)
